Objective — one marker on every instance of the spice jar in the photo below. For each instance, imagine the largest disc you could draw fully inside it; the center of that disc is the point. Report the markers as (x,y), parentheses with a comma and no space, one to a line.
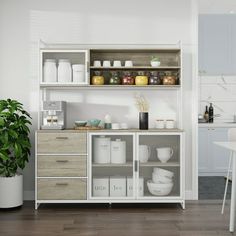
(154,78)
(114,79)
(98,78)
(169,78)
(127,79)
(141,78)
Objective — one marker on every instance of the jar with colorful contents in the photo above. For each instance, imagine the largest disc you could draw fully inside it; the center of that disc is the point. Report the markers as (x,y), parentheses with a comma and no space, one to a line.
(128,78)
(169,78)
(98,78)
(154,78)
(114,79)
(141,78)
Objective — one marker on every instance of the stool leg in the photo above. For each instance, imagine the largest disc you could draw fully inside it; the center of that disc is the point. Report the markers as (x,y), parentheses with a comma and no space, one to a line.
(226,184)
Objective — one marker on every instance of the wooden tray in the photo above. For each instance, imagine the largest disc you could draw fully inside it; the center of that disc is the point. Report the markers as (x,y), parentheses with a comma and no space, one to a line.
(87,128)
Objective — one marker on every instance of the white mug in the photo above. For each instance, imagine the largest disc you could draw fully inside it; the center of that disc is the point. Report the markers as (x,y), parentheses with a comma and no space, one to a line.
(144,153)
(106,64)
(160,124)
(97,64)
(117,63)
(164,154)
(128,63)
(170,124)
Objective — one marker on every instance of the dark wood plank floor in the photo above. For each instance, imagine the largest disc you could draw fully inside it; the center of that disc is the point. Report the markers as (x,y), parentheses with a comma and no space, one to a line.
(200,218)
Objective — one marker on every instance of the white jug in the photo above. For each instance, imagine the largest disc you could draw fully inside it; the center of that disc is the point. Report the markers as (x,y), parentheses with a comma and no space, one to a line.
(144,153)
(164,153)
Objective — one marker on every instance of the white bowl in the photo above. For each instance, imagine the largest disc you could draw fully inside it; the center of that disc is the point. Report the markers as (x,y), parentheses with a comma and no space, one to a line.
(155,63)
(159,189)
(163,172)
(161,179)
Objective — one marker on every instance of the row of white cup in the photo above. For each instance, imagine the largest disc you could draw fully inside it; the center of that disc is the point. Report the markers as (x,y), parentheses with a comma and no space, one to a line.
(115,63)
(116,186)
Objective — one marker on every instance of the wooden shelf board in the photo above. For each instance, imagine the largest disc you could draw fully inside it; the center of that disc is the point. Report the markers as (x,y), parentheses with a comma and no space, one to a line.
(158,163)
(135,68)
(127,164)
(76,86)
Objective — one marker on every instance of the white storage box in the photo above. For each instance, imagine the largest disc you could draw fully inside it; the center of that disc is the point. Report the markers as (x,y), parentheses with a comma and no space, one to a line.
(102,150)
(130,187)
(118,186)
(101,187)
(118,152)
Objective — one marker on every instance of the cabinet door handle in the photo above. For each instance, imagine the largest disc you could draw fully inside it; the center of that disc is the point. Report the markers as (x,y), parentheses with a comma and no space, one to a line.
(62,161)
(62,184)
(63,138)
(136,166)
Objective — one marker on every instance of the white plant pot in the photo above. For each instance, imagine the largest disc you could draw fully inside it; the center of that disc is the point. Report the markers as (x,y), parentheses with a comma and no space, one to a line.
(11,191)
(155,63)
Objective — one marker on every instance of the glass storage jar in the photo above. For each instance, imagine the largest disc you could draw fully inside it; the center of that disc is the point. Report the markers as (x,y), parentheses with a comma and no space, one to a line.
(128,78)
(154,78)
(98,78)
(141,79)
(169,78)
(114,79)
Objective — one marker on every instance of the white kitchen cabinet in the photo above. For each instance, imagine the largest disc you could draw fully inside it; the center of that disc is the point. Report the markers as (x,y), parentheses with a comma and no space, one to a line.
(215,45)
(127,175)
(233,42)
(213,160)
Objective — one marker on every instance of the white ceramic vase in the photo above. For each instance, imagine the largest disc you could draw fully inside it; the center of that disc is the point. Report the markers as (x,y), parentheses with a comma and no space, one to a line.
(11,191)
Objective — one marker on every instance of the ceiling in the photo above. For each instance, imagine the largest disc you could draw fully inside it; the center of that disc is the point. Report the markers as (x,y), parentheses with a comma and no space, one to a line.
(217,6)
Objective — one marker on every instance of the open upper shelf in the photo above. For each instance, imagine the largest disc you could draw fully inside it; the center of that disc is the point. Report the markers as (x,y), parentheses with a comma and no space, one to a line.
(136,68)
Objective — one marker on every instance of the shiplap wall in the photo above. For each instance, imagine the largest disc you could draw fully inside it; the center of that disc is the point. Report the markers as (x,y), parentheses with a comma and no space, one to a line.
(221,91)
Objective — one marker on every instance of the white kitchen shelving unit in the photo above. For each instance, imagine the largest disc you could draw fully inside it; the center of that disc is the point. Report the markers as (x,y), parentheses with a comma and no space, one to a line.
(82,54)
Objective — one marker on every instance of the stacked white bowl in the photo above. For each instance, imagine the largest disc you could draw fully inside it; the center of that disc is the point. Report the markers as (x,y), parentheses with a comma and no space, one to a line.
(161,183)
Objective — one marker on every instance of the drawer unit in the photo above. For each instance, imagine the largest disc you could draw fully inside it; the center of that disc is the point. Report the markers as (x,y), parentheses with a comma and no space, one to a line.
(62,166)
(62,189)
(63,142)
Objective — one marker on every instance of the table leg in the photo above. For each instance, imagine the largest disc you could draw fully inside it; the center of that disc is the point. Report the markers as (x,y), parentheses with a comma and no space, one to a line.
(232,205)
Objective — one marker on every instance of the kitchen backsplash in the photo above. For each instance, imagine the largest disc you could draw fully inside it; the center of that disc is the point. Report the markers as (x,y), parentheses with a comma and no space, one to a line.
(221,91)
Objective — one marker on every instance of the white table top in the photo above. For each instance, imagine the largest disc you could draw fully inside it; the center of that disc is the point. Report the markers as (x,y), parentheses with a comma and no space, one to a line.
(228,145)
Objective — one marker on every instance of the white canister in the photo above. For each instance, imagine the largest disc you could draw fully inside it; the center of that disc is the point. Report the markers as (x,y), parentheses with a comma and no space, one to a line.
(117,186)
(130,187)
(170,124)
(144,153)
(50,71)
(64,72)
(102,150)
(118,152)
(78,73)
(101,187)
(160,124)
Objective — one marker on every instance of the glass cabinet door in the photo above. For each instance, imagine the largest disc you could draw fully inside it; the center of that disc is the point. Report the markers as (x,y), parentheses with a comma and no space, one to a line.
(112,166)
(159,164)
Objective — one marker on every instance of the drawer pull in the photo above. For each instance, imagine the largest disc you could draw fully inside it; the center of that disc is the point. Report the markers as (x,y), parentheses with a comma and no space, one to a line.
(62,161)
(63,138)
(62,184)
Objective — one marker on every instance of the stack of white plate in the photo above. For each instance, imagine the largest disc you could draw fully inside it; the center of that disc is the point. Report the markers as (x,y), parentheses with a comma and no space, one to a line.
(161,183)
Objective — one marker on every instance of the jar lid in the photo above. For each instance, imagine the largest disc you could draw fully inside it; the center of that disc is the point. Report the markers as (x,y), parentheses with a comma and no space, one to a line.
(64,60)
(79,67)
(50,60)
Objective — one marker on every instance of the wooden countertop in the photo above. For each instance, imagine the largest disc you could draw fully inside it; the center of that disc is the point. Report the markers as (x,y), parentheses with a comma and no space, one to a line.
(112,130)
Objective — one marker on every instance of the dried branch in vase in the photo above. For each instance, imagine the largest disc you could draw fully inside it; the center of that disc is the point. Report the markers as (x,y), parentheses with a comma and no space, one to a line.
(141,103)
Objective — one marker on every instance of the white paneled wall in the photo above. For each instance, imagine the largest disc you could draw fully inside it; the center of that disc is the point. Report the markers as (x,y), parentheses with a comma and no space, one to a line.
(221,91)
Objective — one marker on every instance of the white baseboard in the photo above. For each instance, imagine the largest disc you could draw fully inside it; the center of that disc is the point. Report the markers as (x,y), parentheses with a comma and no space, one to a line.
(29,195)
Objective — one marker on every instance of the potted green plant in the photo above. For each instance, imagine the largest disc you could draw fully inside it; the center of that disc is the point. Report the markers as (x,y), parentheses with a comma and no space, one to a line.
(14,151)
(155,61)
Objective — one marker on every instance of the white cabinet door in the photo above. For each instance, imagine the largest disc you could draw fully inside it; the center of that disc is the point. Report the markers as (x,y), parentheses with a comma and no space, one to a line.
(219,155)
(214,45)
(203,155)
(212,159)
(233,41)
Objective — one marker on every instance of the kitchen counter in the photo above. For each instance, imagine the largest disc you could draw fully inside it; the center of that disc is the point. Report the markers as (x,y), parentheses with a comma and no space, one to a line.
(217,125)
(111,130)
